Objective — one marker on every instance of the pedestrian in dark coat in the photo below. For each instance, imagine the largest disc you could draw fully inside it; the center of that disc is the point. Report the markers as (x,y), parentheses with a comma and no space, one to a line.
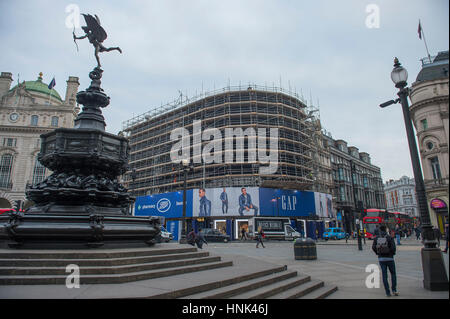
(259,237)
(191,238)
(384,247)
(446,238)
(417,230)
(200,239)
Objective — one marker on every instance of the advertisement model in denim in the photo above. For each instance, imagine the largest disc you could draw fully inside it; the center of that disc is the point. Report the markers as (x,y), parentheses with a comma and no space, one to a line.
(386,259)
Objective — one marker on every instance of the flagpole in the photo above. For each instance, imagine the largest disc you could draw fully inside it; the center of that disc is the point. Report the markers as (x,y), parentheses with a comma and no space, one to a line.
(51,90)
(424,41)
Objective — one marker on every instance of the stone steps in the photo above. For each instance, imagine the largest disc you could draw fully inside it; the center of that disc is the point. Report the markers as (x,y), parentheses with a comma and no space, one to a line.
(321,293)
(103,270)
(102,267)
(243,286)
(161,272)
(276,288)
(98,262)
(280,284)
(112,278)
(94,254)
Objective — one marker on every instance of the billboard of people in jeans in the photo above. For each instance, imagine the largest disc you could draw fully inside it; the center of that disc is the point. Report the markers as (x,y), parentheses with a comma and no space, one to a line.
(220,202)
(245,203)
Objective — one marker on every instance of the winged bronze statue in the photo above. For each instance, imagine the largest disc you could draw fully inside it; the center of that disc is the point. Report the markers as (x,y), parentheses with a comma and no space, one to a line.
(96,35)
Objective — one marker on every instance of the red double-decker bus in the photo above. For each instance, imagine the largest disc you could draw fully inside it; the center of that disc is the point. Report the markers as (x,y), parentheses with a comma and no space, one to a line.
(375,216)
(6,210)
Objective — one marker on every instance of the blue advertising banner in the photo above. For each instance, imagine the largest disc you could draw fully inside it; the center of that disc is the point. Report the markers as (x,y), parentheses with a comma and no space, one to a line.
(174,227)
(169,205)
(213,202)
(283,202)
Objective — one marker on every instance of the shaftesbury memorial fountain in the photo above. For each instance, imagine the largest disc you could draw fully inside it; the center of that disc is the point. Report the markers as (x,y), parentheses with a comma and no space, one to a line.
(82,203)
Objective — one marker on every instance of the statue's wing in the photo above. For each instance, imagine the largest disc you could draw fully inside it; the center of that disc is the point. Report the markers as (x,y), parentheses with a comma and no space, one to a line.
(94,25)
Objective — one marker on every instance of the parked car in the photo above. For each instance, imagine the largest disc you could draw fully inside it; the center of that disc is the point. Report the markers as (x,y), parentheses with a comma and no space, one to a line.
(215,235)
(334,233)
(164,236)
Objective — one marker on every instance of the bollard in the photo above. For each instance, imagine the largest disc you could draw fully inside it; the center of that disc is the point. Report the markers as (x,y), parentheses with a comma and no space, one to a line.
(305,249)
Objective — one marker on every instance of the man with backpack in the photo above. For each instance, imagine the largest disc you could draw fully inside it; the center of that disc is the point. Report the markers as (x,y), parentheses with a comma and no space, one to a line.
(384,246)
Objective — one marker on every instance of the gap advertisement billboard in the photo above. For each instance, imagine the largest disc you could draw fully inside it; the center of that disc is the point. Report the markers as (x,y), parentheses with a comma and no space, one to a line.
(284,202)
(235,202)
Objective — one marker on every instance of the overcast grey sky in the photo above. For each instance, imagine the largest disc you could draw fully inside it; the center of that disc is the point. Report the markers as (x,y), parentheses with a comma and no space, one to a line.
(320,47)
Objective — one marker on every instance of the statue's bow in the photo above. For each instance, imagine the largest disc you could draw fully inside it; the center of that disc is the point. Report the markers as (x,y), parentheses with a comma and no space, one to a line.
(74,38)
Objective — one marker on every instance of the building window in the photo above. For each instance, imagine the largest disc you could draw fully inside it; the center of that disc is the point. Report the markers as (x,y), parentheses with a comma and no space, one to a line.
(10,142)
(424,123)
(435,168)
(342,193)
(38,172)
(365,182)
(34,120)
(54,121)
(6,162)
(341,174)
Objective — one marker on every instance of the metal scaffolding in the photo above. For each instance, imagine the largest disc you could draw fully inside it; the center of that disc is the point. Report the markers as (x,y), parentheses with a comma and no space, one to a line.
(255,107)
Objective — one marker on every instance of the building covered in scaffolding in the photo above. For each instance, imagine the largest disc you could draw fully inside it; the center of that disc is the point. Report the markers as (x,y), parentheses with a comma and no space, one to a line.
(250,107)
(305,185)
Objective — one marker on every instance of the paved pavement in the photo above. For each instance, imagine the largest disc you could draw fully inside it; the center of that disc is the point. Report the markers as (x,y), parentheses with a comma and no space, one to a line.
(338,263)
(342,264)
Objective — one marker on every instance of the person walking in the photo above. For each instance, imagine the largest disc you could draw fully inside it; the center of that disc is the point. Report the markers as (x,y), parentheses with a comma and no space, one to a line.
(191,238)
(376,232)
(384,248)
(259,237)
(200,239)
(417,230)
(446,238)
(243,234)
(398,234)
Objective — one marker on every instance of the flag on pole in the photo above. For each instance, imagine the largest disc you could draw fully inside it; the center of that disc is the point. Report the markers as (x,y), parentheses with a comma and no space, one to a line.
(52,84)
(419,30)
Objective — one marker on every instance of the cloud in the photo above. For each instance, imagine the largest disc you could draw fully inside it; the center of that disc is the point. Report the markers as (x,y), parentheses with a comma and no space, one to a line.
(322,47)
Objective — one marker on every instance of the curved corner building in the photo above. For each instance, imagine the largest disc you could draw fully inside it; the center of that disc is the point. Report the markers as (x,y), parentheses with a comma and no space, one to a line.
(229,108)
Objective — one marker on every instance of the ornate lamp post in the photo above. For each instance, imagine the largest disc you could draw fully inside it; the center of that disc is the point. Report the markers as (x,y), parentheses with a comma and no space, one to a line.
(357,204)
(434,273)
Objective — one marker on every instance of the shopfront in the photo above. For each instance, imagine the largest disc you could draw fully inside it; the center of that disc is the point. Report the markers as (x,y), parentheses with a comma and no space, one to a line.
(440,209)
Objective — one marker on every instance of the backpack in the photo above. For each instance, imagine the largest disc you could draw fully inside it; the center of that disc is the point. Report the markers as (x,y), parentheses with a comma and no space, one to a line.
(382,246)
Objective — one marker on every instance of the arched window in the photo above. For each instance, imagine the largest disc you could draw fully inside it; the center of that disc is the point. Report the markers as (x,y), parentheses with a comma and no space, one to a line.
(6,162)
(54,121)
(34,120)
(38,172)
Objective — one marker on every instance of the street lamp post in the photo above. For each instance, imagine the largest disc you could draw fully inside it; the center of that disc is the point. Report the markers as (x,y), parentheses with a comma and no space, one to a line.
(185,167)
(353,173)
(434,273)
(133,178)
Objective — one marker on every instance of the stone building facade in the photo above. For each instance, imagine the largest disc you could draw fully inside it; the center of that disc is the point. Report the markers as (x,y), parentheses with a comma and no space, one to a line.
(28,110)
(429,113)
(355,180)
(401,196)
